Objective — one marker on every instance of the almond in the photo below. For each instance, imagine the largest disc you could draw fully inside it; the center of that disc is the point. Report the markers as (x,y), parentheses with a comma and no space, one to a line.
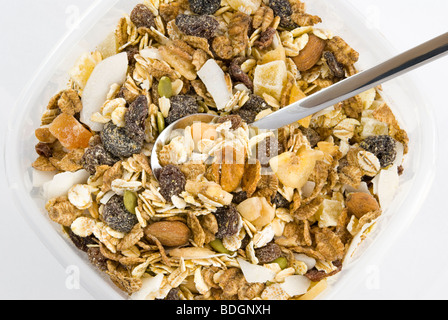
(169,233)
(311,54)
(361,203)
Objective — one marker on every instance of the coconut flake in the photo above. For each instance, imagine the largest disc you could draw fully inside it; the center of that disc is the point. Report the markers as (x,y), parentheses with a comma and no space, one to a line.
(309,261)
(149,285)
(108,72)
(214,80)
(62,182)
(385,185)
(255,273)
(296,285)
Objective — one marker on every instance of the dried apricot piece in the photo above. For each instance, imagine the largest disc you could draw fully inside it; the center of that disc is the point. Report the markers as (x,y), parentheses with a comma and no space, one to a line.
(70,132)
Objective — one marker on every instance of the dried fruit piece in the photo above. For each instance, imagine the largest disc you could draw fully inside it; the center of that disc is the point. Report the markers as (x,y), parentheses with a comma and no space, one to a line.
(268,253)
(142,17)
(169,233)
(282,8)
(361,203)
(270,78)
(336,68)
(116,216)
(198,26)
(97,156)
(383,147)
(172,182)
(228,220)
(266,39)
(181,106)
(205,6)
(135,119)
(267,214)
(311,54)
(239,75)
(96,258)
(280,202)
(118,143)
(251,108)
(250,209)
(292,170)
(70,133)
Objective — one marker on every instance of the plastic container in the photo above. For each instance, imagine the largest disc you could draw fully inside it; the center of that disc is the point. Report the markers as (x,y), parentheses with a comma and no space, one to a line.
(101,19)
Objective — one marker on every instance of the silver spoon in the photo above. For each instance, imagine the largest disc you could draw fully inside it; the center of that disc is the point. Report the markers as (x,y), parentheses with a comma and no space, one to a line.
(343,90)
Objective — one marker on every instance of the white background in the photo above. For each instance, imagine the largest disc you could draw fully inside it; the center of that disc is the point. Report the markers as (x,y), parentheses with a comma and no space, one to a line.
(414,267)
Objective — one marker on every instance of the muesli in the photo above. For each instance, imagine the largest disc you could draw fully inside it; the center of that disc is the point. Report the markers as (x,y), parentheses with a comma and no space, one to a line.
(234,213)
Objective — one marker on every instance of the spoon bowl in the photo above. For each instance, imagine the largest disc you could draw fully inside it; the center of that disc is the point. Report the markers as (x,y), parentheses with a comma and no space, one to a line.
(165,135)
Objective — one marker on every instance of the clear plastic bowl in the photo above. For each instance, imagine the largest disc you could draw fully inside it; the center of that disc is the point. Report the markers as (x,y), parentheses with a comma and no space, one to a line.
(100,20)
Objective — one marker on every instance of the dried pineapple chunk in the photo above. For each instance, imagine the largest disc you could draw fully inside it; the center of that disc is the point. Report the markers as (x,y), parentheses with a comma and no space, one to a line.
(270,78)
(83,68)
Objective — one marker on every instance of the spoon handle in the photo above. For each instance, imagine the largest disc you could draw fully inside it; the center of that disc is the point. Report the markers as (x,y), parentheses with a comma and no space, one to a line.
(352,86)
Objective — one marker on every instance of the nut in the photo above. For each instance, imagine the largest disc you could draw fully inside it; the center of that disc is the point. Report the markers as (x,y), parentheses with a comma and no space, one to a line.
(169,233)
(361,203)
(311,54)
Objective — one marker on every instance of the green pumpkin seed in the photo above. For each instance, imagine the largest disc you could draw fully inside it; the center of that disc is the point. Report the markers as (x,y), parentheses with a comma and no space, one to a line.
(165,87)
(219,247)
(282,262)
(160,122)
(130,201)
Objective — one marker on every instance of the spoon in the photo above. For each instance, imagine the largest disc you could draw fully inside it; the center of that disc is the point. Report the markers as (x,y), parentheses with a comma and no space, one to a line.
(341,91)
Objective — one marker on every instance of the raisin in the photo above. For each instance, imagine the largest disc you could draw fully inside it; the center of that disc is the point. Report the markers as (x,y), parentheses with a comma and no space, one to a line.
(117,217)
(236,121)
(280,202)
(205,6)
(251,108)
(266,39)
(80,242)
(132,51)
(383,147)
(228,220)
(96,258)
(198,26)
(316,275)
(173,294)
(238,75)
(95,156)
(172,181)
(135,119)
(312,136)
(268,253)
(44,149)
(239,197)
(282,8)
(181,106)
(141,16)
(336,68)
(118,143)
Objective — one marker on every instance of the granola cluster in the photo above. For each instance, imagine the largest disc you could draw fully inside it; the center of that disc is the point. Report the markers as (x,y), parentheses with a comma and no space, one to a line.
(234,213)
